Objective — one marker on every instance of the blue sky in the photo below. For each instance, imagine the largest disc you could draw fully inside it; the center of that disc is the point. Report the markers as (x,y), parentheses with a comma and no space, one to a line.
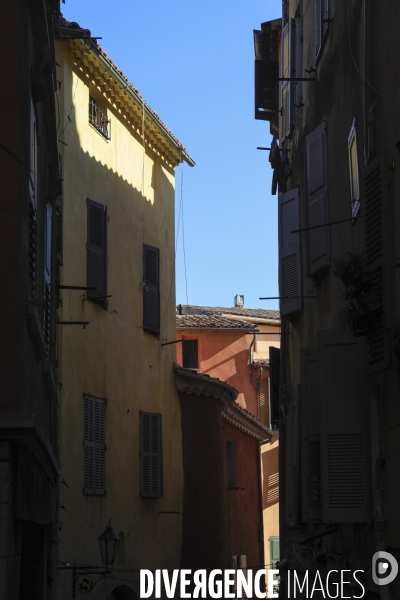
(193,62)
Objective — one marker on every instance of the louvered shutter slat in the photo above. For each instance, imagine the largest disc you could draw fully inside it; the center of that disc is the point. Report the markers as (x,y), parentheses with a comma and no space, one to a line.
(94,445)
(290,279)
(150,455)
(375,220)
(151,292)
(317,200)
(344,431)
(96,249)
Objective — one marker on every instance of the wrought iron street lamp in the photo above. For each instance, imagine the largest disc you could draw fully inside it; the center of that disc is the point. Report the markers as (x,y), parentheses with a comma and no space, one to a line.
(81,574)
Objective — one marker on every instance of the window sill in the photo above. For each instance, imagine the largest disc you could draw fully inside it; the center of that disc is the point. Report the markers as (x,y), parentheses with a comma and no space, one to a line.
(99,133)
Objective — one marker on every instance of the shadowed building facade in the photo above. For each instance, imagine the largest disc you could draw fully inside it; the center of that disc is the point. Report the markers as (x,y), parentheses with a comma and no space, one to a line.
(120,435)
(335,154)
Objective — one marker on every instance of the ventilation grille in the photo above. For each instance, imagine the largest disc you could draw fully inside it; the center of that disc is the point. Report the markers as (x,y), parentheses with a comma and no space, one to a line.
(346,473)
(96,226)
(289,278)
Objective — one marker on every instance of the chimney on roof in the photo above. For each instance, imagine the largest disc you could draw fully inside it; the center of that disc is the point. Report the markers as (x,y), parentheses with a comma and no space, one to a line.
(238,301)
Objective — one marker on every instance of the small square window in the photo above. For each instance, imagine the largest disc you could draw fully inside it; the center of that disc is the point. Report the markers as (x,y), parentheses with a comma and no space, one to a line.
(190,356)
(354,177)
(99,119)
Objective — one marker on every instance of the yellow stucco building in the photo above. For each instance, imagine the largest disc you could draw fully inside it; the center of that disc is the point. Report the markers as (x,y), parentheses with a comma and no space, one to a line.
(120,423)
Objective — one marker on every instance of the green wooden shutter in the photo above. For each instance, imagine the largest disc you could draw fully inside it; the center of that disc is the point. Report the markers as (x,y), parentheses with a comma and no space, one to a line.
(290,278)
(274,551)
(317,200)
(151,475)
(151,292)
(96,268)
(94,445)
(310,436)
(345,448)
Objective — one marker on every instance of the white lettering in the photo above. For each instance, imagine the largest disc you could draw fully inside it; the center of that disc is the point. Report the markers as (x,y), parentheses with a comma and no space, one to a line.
(272,582)
(319,589)
(170,587)
(358,581)
(200,580)
(305,583)
(146,576)
(333,584)
(229,581)
(257,589)
(216,591)
(184,583)
(243,584)
(343,582)
(158,583)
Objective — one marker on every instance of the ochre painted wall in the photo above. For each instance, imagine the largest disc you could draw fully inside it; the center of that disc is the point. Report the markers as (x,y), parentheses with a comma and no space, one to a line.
(112,358)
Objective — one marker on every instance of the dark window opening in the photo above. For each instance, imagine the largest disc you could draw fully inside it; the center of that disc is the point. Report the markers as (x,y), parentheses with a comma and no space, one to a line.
(190,357)
(231,464)
(99,119)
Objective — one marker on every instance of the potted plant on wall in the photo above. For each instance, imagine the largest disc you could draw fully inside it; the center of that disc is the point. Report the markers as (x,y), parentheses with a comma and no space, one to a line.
(357,314)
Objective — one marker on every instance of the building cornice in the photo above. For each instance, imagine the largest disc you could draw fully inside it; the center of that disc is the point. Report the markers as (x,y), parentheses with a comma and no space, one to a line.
(241,419)
(93,62)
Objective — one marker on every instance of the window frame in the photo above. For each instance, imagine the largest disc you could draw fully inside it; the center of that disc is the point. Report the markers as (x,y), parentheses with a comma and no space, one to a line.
(98,459)
(354,171)
(196,342)
(94,108)
(322,21)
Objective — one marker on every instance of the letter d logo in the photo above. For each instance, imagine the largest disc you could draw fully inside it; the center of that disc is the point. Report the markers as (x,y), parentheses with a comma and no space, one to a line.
(384,568)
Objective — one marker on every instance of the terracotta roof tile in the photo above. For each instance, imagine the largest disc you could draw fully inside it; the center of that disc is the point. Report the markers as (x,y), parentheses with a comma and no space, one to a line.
(213,321)
(85,33)
(256,313)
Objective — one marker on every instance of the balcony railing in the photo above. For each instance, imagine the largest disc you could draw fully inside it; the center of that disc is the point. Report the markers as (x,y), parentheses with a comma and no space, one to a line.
(99,120)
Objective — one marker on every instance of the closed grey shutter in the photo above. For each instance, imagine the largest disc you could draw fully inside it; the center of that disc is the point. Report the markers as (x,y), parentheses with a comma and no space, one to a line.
(288,71)
(151,293)
(274,374)
(151,476)
(345,448)
(375,235)
(310,436)
(321,24)
(290,279)
(317,200)
(94,446)
(96,269)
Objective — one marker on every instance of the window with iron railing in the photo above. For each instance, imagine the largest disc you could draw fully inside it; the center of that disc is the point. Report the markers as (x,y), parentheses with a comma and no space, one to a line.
(99,119)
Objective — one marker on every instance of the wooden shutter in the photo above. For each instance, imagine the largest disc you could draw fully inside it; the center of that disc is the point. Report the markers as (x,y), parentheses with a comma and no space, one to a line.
(151,479)
(317,200)
(345,448)
(274,374)
(310,436)
(288,70)
(321,24)
(151,293)
(96,249)
(94,445)
(290,280)
(375,236)
(274,551)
